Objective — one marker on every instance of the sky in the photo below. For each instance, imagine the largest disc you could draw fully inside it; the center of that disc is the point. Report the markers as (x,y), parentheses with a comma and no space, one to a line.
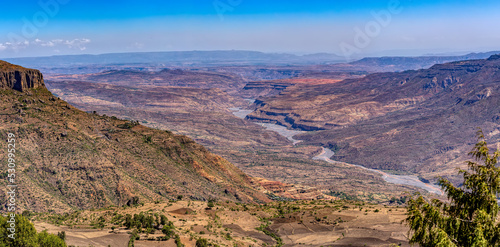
(351,29)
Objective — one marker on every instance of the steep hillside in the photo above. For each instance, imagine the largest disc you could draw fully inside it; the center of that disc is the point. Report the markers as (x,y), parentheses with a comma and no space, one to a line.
(68,159)
(417,121)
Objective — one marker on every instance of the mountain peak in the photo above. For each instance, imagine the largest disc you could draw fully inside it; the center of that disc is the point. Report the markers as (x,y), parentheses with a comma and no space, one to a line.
(494,57)
(19,78)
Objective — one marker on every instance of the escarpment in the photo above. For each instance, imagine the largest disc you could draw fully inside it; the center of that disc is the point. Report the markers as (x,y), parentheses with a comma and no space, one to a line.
(19,78)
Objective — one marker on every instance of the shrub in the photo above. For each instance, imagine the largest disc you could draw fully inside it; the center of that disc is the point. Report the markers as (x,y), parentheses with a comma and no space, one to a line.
(201,242)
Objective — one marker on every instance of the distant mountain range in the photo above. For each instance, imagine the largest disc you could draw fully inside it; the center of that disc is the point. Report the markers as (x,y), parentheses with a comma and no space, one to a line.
(179,58)
(78,64)
(407,63)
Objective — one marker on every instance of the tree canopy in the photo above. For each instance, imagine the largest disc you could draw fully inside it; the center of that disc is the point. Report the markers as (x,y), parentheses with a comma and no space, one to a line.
(470,217)
(26,235)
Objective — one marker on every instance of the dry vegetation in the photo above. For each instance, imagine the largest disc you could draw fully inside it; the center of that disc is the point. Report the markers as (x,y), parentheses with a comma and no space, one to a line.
(69,159)
(295,223)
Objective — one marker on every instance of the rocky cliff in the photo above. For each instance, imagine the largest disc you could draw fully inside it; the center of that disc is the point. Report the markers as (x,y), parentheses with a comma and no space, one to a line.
(19,78)
(254,89)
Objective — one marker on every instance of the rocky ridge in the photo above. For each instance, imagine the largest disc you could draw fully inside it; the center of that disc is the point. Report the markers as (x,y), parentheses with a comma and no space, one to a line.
(19,78)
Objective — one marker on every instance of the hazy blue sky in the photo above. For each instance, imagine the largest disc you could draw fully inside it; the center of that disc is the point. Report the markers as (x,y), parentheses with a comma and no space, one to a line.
(351,28)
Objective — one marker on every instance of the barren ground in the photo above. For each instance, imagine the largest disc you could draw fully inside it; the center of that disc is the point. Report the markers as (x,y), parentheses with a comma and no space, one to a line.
(309,223)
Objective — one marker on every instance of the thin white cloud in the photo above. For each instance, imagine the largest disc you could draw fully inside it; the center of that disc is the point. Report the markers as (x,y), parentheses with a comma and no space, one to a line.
(44,43)
(14,46)
(79,44)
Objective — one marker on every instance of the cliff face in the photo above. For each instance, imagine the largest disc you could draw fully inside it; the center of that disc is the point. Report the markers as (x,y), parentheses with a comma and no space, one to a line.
(19,78)
(255,89)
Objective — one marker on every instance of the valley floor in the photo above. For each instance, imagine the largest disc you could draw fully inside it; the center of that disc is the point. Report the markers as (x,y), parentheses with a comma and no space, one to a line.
(308,223)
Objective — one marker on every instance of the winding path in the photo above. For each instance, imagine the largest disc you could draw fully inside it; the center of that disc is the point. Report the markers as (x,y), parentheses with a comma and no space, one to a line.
(411,180)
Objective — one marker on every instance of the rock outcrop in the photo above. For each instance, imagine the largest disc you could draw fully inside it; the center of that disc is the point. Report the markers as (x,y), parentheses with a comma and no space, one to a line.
(255,89)
(19,78)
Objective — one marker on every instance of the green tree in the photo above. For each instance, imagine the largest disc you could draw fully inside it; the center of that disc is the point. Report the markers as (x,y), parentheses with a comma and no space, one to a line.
(101,223)
(49,240)
(62,235)
(470,216)
(129,222)
(168,230)
(148,221)
(201,242)
(211,203)
(133,236)
(163,220)
(178,241)
(26,235)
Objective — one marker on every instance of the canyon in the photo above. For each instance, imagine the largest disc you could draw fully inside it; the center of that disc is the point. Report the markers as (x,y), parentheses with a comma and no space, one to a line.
(324,103)
(270,136)
(421,122)
(377,121)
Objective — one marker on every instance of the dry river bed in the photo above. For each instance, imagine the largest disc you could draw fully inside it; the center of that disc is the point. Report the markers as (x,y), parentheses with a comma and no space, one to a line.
(325,155)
